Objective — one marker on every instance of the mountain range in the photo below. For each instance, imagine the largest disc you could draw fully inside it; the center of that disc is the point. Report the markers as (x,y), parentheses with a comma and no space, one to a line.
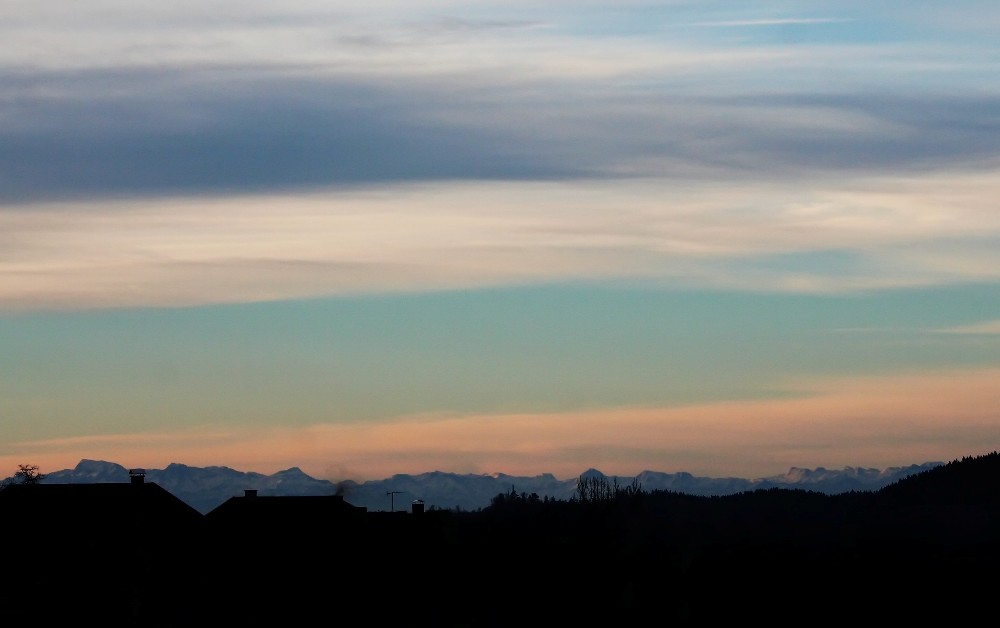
(205,488)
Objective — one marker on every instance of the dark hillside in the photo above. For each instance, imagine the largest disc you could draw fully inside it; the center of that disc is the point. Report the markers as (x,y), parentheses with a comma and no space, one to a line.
(970,480)
(918,551)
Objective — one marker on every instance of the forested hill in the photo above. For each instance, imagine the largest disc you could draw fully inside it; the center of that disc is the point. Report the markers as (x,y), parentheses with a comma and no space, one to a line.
(920,550)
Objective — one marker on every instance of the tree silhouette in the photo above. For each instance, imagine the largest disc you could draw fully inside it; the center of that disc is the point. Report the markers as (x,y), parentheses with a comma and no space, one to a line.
(28,474)
(599,490)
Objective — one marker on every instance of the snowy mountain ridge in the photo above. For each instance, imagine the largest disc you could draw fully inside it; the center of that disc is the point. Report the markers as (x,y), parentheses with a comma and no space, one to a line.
(205,488)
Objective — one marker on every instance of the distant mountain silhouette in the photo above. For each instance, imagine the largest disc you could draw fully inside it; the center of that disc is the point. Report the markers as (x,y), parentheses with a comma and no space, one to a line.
(127,552)
(204,488)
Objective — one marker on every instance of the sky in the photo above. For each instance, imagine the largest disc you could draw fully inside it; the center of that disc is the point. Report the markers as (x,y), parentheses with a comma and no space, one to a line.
(368,238)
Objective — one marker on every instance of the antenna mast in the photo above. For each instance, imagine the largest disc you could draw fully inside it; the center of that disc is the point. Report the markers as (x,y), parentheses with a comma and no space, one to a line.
(392,494)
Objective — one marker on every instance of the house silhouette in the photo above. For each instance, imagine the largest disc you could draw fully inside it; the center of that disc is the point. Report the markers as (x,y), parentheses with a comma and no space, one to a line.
(133,554)
(99,505)
(110,554)
(254,509)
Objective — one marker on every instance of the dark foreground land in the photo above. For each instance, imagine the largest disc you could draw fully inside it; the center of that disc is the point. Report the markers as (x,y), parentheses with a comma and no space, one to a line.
(922,551)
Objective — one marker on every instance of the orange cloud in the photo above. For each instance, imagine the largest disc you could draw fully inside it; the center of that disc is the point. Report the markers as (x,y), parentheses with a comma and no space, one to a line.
(866,422)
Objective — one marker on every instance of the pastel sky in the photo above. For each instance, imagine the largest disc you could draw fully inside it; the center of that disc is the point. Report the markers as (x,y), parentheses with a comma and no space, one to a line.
(398,236)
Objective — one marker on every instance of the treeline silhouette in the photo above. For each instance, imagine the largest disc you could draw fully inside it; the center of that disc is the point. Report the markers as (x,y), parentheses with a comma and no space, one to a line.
(922,550)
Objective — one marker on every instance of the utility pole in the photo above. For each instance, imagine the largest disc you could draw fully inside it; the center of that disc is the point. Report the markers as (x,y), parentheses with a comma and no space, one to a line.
(392,505)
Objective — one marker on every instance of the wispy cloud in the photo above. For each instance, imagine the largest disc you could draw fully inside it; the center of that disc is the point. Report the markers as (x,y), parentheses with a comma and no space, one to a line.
(985,327)
(190,100)
(169,252)
(774,21)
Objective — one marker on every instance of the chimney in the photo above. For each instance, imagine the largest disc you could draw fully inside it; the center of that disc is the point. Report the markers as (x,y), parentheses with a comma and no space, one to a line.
(250,493)
(138,476)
